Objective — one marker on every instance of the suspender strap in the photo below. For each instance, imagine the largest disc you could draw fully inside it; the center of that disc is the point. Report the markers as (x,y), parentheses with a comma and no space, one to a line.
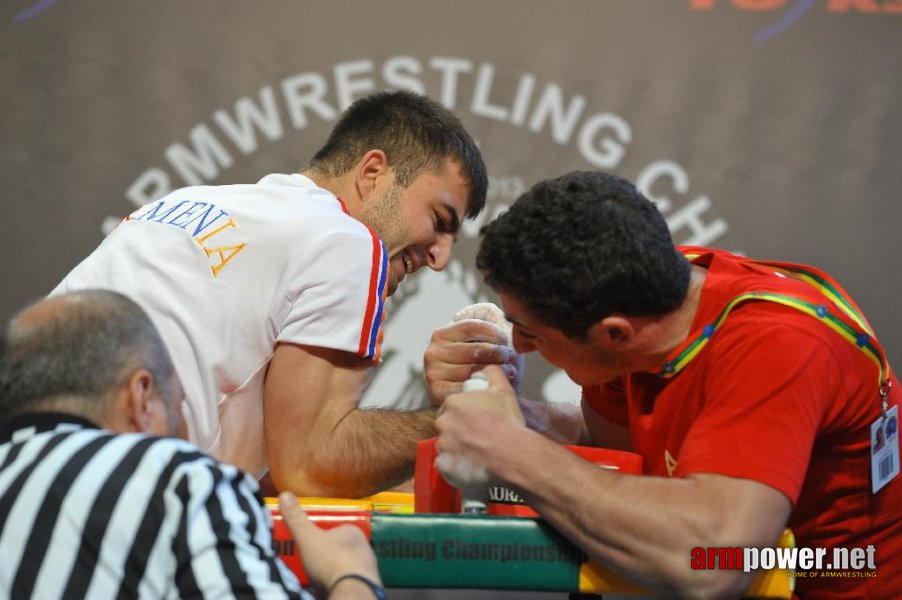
(844,317)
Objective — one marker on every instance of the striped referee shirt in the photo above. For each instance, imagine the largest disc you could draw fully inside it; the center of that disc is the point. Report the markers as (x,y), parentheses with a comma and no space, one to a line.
(89,514)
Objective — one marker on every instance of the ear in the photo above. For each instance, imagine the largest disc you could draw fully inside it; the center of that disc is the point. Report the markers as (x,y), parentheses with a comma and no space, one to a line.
(613,332)
(371,175)
(139,392)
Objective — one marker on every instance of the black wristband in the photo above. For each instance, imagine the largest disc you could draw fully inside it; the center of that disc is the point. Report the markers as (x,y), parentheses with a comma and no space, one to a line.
(378,590)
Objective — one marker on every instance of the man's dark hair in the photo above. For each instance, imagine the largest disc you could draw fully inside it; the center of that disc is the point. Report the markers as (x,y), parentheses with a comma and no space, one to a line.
(417,135)
(581,247)
(78,348)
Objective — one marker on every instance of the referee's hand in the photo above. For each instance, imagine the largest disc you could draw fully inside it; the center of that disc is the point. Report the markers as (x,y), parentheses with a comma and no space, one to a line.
(328,554)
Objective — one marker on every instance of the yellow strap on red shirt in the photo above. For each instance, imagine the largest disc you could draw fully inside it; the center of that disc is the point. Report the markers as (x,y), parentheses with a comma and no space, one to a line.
(844,318)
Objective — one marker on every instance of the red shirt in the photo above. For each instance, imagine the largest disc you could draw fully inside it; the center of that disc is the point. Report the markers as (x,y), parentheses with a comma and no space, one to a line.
(777,397)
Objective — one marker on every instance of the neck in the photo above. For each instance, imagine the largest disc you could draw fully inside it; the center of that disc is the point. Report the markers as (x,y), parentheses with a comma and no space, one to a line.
(342,187)
(662,335)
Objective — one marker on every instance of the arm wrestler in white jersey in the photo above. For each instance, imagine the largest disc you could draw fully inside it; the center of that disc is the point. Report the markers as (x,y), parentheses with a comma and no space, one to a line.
(271,296)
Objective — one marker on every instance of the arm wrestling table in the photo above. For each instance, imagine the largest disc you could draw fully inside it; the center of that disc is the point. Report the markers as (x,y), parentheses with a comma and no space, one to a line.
(421,540)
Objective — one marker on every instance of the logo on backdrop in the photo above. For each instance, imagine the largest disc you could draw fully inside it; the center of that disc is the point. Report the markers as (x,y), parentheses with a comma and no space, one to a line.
(543,109)
(794,10)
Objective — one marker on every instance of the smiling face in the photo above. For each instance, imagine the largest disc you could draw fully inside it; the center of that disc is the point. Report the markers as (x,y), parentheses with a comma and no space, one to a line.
(419,224)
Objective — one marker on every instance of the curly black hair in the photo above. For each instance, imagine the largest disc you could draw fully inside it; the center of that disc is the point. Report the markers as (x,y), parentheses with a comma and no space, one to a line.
(581,247)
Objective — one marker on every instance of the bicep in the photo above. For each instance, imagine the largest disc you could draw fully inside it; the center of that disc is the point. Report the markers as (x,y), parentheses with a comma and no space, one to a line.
(724,512)
(308,390)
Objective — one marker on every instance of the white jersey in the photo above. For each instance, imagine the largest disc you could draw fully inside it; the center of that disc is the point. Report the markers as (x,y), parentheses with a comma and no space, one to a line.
(226,273)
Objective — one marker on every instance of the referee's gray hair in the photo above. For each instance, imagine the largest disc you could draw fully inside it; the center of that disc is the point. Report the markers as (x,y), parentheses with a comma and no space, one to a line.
(78,348)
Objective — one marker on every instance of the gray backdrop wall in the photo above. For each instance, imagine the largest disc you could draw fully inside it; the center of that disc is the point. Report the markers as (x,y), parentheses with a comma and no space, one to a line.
(771,127)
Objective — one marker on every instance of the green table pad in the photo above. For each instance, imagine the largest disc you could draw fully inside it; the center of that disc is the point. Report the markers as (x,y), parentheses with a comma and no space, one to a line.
(474,551)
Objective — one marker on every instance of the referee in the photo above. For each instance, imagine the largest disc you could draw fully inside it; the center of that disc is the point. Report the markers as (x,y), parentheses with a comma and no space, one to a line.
(91,506)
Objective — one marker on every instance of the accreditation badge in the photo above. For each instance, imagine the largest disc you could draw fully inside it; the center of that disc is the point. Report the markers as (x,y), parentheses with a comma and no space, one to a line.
(884,449)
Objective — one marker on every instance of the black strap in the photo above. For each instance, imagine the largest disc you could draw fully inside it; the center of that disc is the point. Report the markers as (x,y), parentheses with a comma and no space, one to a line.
(378,590)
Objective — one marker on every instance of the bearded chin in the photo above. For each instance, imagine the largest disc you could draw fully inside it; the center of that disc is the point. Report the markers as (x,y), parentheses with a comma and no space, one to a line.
(393,282)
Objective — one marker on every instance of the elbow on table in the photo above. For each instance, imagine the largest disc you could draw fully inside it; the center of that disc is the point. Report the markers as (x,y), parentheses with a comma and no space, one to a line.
(318,480)
(713,584)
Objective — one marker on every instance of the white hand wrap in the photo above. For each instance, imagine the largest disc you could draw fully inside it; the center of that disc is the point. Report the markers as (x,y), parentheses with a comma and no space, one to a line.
(488,312)
(461,472)
(457,470)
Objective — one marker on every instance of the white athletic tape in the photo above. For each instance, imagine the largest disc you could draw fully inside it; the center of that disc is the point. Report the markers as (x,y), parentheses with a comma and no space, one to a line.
(457,470)
(461,472)
(484,311)
(477,381)
(494,316)
(489,313)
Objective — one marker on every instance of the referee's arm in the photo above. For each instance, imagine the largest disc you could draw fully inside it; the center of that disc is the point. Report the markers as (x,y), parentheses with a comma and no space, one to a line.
(223,542)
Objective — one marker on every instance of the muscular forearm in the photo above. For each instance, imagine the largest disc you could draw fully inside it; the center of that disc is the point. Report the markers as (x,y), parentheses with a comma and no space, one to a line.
(560,422)
(368,450)
(642,527)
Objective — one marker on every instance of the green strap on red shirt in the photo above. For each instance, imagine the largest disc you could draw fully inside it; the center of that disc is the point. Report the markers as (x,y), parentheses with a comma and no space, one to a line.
(844,317)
